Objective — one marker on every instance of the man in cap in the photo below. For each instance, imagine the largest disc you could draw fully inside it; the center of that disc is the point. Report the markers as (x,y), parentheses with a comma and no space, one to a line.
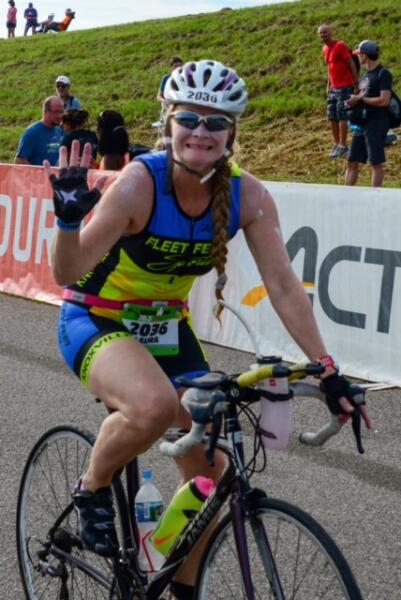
(374,97)
(63,85)
(41,140)
(341,83)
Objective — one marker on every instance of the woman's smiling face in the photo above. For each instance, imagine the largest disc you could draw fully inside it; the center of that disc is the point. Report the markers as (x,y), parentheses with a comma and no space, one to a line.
(198,148)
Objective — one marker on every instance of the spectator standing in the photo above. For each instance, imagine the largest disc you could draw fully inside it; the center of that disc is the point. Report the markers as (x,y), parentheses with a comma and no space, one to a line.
(63,85)
(341,83)
(113,140)
(74,123)
(41,140)
(31,16)
(374,97)
(11,18)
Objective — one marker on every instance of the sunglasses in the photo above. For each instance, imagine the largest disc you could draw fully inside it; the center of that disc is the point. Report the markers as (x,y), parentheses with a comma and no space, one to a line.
(192,120)
(61,85)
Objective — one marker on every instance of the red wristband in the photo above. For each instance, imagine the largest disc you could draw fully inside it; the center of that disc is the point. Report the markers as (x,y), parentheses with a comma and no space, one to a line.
(328,361)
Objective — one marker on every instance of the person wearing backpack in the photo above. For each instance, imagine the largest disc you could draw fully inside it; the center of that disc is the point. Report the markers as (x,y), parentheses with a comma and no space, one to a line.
(372,101)
(342,82)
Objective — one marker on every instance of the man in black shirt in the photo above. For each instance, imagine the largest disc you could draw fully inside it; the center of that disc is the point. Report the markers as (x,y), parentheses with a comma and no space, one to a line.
(374,96)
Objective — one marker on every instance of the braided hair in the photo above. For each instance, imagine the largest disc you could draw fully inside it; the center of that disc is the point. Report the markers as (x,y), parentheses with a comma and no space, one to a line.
(221,201)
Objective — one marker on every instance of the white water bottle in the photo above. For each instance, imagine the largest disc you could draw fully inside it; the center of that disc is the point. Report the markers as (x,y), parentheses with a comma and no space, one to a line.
(275,417)
(148,509)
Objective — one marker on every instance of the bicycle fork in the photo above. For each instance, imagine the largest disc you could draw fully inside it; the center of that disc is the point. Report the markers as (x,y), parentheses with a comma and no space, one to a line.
(241,506)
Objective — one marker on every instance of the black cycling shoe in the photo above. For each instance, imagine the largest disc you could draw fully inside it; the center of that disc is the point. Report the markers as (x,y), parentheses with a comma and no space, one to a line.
(96,519)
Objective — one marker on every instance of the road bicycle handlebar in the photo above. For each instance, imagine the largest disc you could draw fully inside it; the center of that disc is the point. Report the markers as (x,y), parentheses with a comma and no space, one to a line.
(206,404)
(297,371)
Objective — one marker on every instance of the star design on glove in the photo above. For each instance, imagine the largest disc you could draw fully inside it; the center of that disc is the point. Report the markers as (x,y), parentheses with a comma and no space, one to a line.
(66,197)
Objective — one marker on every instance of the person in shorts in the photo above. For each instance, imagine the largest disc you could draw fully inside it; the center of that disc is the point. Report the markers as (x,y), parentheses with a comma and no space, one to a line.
(11,18)
(31,16)
(125,327)
(342,81)
(375,93)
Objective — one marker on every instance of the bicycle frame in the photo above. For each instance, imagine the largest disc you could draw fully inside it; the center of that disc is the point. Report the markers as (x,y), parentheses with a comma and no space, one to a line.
(233,484)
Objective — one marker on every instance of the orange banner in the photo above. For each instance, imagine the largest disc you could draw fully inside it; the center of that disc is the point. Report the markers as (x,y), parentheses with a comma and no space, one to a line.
(27,227)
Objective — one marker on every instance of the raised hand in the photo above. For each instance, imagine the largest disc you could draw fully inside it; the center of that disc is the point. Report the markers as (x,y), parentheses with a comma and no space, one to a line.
(72,198)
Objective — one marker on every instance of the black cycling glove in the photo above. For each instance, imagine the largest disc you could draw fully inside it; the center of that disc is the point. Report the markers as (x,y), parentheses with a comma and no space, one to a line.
(336,386)
(72,198)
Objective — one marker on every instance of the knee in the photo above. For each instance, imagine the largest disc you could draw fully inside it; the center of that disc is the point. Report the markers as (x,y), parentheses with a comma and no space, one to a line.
(154,412)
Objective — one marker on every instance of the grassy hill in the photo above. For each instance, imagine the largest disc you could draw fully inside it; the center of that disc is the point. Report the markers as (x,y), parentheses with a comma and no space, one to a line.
(284,134)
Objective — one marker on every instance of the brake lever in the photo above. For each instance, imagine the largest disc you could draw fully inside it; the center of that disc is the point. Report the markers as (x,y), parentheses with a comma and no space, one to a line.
(356,428)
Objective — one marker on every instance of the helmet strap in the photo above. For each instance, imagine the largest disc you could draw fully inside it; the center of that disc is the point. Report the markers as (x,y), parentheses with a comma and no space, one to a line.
(213,170)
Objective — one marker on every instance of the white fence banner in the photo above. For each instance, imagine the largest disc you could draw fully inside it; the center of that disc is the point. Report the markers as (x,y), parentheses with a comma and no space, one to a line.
(345,245)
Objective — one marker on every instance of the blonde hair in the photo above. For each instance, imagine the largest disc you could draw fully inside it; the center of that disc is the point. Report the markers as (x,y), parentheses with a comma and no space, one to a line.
(221,202)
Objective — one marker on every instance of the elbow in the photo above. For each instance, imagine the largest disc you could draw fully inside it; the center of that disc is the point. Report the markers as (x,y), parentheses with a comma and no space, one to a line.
(64,276)
(62,279)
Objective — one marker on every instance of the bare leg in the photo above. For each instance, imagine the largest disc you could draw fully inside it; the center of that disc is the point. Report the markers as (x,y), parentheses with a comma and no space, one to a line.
(343,132)
(377,175)
(129,381)
(351,174)
(335,130)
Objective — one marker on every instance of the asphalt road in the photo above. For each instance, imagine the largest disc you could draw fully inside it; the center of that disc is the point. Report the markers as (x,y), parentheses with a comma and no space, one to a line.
(357,499)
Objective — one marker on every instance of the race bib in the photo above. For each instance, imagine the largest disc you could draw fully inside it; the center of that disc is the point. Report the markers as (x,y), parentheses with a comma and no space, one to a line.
(156,327)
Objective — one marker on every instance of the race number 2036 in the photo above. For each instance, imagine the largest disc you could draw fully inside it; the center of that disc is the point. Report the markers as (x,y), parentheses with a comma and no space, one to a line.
(154,327)
(204,96)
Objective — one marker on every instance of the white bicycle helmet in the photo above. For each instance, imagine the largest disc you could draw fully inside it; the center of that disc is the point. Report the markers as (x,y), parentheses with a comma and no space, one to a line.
(207,83)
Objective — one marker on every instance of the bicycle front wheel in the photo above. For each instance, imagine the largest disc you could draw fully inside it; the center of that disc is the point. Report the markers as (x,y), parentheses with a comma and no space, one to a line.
(290,556)
(53,564)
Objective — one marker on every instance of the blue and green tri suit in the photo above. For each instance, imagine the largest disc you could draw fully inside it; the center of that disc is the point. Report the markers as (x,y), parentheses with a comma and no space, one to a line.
(160,264)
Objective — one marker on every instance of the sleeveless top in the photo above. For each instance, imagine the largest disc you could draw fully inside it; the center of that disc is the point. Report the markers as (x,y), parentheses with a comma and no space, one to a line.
(162,261)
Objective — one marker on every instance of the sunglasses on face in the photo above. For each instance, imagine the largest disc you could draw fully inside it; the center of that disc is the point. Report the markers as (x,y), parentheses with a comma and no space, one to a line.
(192,120)
(60,85)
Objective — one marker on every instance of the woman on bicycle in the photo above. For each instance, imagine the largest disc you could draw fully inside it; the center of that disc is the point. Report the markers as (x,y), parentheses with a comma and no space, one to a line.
(164,221)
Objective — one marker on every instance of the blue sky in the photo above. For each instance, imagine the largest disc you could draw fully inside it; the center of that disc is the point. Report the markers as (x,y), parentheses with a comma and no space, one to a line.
(96,13)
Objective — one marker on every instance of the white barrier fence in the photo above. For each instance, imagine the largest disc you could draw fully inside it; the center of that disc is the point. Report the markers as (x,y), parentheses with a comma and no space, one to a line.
(345,245)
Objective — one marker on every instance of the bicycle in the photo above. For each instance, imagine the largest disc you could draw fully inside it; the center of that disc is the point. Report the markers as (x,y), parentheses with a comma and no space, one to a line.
(261,548)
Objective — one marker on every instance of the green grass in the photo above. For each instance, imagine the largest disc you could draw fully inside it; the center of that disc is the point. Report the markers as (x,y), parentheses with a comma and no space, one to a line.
(284,134)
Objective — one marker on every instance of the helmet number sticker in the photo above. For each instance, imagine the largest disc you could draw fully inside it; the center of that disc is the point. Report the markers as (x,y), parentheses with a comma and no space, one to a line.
(203,96)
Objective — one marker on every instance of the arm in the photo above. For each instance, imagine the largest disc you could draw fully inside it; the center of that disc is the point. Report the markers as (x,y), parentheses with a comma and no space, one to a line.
(260,222)
(124,208)
(25,148)
(261,227)
(353,70)
(383,100)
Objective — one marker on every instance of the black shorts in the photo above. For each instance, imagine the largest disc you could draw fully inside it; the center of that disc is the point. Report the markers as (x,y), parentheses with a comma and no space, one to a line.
(336,97)
(11,25)
(368,145)
(81,335)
